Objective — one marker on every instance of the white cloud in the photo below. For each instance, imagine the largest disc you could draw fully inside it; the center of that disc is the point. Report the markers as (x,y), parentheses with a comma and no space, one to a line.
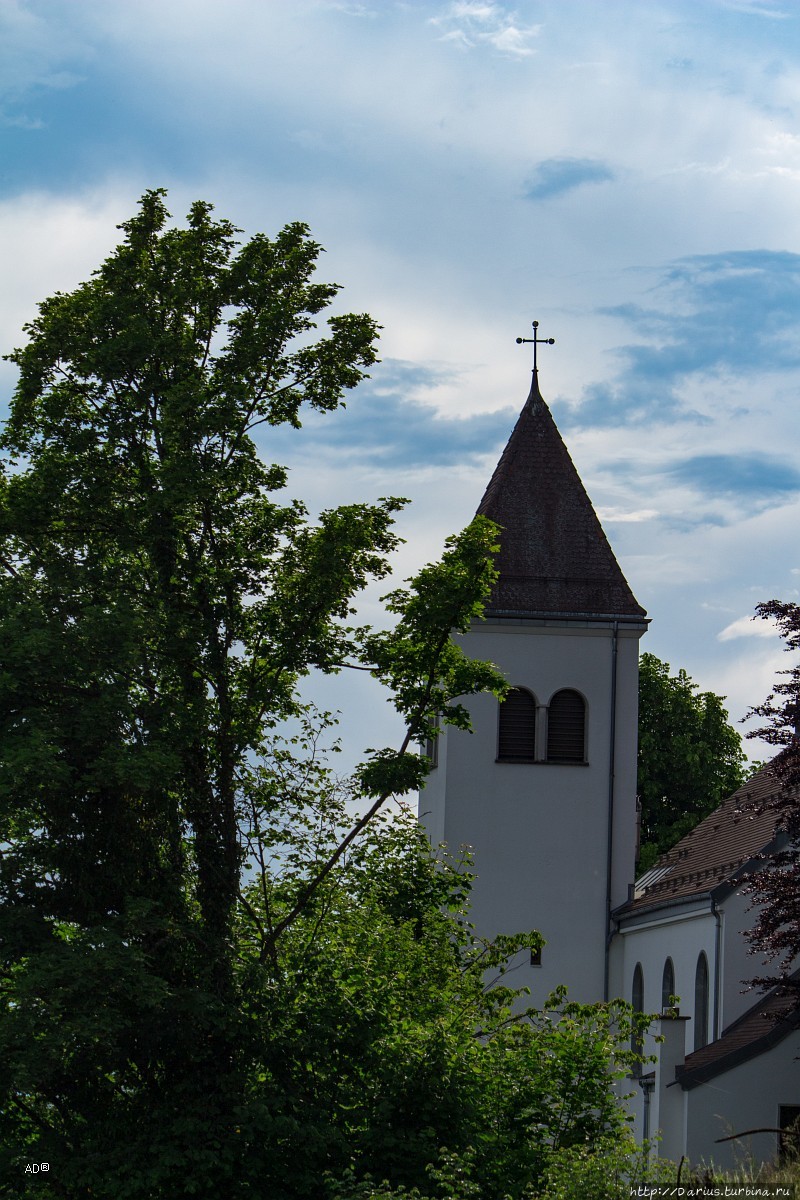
(621,516)
(753,8)
(511,40)
(351,10)
(468,23)
(50,243)
(748,627)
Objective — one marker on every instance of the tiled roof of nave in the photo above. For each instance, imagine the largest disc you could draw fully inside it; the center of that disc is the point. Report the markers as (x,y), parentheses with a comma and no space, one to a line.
(732,835)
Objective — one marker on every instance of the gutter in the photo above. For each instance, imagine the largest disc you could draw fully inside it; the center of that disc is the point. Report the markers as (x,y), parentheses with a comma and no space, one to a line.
(611,772)
(553,615)
(717,948)
(663,914)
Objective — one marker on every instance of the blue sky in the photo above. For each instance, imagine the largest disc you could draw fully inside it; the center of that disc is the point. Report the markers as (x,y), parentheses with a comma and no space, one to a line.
(626,173)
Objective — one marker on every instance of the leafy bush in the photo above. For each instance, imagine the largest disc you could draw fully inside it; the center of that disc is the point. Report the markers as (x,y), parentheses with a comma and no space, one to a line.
(606,1170)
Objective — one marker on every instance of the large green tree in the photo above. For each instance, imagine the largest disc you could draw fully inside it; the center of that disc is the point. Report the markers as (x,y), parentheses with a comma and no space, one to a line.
(210,983)
(690,757)
(158,608)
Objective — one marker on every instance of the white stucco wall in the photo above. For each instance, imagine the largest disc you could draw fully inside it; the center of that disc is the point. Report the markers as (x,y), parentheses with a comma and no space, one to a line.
(737,963)
(540,831)
(680,934)
(625,765)
(432,796)
(747,1097)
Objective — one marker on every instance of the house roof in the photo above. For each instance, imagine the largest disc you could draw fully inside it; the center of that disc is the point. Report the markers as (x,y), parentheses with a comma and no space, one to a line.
(715,851)
(757,1030)
(554,557)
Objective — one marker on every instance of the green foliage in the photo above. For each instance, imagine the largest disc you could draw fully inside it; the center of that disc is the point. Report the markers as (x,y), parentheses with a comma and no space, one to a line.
(608,1170)
(690,758)
(780,1178)
(368,1042)
(158,608)
(780,712)
(213,979)
(379,1039)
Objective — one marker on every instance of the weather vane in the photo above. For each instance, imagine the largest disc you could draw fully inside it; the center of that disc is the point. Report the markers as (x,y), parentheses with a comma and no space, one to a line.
(536,341)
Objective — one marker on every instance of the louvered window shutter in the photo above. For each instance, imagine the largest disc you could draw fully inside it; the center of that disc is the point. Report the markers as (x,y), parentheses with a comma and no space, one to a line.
(517,730)
(566,721)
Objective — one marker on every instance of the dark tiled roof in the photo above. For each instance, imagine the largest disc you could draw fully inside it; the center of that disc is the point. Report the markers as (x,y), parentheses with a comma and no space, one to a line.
(757,1030)
(554,556)
(721,845)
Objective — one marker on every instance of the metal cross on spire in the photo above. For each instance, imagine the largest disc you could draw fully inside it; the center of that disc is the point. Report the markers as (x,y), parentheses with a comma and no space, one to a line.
(536,341)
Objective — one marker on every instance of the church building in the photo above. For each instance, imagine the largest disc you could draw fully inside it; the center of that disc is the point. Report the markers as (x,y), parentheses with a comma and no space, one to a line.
(544,792)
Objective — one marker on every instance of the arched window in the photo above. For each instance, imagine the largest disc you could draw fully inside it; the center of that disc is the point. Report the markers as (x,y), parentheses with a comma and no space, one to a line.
(516,740)
(667,985)
(637,1004)
(566,728)
(701,1002)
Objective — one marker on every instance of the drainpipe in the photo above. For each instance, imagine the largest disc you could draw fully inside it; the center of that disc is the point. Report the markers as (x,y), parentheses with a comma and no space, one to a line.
(647,1084)
(611,772)
(717,948)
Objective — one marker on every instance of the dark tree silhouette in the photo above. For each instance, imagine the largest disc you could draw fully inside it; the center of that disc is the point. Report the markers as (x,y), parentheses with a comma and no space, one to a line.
(775,890)
(690,758)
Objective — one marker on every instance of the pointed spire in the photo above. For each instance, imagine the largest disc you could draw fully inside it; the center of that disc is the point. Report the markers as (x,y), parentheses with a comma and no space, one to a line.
(554,557)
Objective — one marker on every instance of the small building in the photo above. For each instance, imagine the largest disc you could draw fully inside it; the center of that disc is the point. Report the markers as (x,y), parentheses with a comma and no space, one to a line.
(726,1065)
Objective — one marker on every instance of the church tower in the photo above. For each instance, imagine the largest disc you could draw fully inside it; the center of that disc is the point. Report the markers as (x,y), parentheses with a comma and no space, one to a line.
(544,789)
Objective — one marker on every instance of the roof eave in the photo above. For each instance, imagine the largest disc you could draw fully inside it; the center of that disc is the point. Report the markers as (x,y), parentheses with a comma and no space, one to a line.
(507,614)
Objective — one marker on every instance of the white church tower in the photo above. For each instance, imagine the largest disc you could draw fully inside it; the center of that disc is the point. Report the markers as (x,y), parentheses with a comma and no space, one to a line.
(544,789)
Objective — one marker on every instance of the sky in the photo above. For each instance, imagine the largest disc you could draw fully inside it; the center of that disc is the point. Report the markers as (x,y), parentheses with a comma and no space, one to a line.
(626,173)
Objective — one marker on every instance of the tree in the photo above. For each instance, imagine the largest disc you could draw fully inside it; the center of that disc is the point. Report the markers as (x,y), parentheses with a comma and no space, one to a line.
(690,758)
(208,978)
(158,609)
(775,890)
(781,709)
